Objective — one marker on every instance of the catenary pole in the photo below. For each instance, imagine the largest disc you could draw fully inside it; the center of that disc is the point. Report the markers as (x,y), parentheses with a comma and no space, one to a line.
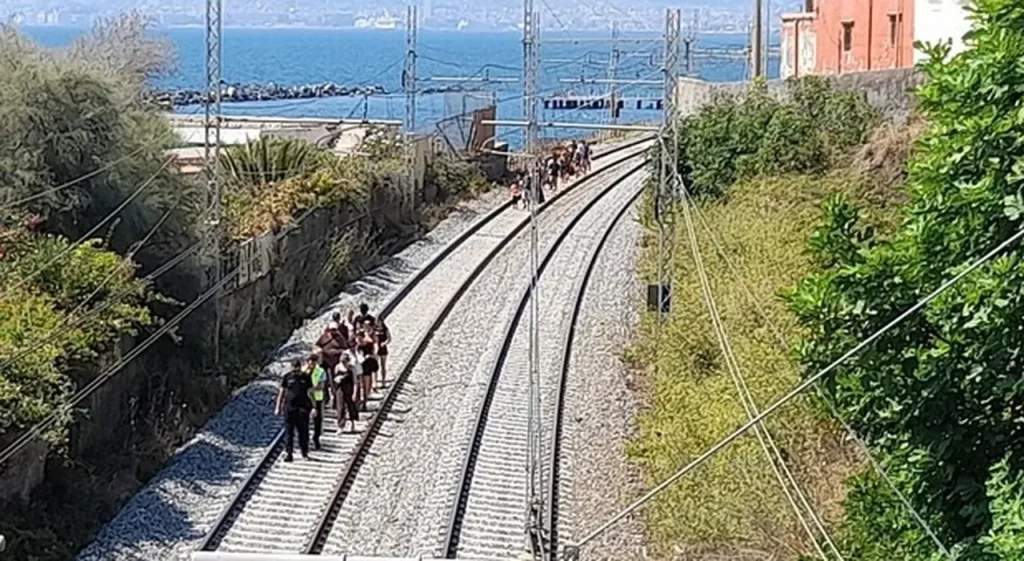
(409,85)
(211,149)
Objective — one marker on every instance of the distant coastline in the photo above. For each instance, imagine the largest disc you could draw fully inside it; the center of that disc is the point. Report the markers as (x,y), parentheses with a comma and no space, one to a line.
(401,28)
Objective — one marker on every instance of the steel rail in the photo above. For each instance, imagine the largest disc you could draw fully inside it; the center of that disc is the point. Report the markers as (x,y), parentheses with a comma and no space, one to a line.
(319,538)
(451,543)
(225,519)
(555,447)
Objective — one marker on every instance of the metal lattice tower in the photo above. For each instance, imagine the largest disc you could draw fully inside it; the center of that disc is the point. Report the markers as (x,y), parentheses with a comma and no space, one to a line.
(531,69)
(667,191)
(211,148)
(613,71)
(409,85)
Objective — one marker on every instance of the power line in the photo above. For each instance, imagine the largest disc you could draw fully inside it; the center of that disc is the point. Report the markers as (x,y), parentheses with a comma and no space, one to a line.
(126,260)
(784,346)
(106,167)
(21,282)
(803,386)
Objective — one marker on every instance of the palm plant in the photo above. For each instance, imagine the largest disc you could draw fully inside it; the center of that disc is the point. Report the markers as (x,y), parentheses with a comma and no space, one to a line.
(256,165)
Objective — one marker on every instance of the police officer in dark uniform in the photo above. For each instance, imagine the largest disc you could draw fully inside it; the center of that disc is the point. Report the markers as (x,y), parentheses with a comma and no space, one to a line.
(296,403)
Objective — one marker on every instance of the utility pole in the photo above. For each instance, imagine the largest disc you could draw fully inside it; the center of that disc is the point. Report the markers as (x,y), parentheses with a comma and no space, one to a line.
(757,41)
(613,70)
(211,149)
(667,193)
(409,84)
(689,41)
(531,63)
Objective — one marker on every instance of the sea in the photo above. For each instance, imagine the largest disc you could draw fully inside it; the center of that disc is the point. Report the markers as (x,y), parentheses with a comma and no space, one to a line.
(369,57)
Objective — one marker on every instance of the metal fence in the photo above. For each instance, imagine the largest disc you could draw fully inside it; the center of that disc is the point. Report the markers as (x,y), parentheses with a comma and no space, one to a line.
(462,129)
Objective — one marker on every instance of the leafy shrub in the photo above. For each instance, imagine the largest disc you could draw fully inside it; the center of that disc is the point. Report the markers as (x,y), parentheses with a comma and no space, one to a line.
(41,332)
(939,395)
(75,114)
(755,134)
(453,176)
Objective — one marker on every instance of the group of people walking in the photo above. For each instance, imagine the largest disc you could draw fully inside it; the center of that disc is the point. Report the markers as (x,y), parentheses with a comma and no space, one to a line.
(348,363)
(564,163)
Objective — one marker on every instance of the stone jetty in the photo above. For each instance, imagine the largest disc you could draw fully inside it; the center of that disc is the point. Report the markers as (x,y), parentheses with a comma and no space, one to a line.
(264,92)
(272,92)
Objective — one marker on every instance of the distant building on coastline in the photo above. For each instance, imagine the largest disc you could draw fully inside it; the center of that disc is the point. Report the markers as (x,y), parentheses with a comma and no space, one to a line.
(838,36)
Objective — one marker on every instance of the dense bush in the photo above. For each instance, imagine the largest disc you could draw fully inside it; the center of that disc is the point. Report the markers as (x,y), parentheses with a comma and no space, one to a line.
(76,141)
(42,332)
(939,396)
(809,130)
(74,117)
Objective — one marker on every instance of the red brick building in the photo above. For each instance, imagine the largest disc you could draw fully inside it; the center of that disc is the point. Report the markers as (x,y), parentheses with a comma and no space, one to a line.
(838,36)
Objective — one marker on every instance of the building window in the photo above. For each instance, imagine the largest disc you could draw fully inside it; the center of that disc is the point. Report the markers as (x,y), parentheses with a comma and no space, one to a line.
(847,36)
(808,6)
(893,30)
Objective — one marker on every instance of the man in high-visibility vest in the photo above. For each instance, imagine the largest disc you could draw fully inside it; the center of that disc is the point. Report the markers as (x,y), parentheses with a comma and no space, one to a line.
(319,378)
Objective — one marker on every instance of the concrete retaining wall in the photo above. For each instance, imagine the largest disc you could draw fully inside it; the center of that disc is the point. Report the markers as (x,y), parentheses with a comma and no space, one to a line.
(889,91)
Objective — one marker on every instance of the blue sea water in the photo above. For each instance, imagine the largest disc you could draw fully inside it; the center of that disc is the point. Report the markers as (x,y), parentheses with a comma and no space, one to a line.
(375,57)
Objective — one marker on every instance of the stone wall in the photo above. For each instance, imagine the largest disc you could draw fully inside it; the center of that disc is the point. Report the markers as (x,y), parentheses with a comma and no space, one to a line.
(889,91)
(297,282)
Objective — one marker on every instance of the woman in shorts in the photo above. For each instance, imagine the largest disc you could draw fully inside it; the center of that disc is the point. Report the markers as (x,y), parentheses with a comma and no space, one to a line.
(383,335)
(366,345)
(344,384)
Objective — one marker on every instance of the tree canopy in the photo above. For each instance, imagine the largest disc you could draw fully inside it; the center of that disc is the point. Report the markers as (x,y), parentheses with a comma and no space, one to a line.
(941,396)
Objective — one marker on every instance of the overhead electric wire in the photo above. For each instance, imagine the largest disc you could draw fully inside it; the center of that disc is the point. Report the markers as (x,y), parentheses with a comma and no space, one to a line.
(145,185)
(68,323)
(106,167)
(806,384)
(785,346)
(764,437)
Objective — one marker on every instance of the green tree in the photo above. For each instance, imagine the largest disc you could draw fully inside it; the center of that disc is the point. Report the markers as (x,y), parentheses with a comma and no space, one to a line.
(940,396)
(77,138)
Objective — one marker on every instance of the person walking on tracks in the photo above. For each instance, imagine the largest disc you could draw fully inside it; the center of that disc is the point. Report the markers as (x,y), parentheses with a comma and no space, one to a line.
(295,403)
(367,345)
(318,377)
(383,335)
(332,342)
(345,388)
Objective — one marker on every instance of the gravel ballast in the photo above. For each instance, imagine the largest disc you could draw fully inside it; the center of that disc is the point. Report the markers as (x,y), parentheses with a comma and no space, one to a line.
(400,503)
(598,479)
(170,516)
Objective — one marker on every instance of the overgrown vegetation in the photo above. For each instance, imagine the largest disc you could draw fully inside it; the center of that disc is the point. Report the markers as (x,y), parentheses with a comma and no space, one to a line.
(810,130)
(75,142)
(761,167)
(940,396)
(834,249)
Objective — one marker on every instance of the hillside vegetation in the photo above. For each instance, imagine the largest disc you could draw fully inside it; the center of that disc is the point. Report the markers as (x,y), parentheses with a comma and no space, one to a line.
(832,233)
(101,243)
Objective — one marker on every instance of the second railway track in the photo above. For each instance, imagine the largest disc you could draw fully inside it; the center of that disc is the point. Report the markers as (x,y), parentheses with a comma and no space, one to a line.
(291,508)
(489,515)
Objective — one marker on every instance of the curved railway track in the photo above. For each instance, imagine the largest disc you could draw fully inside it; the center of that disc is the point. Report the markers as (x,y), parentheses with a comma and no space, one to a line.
(489,515)
(290,508)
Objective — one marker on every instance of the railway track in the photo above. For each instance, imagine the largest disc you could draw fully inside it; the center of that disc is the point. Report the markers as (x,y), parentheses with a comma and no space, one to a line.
(291,507)
(490,512)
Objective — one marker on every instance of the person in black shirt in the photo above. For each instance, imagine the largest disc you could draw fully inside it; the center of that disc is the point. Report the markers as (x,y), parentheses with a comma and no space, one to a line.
(295,402)
(364,316)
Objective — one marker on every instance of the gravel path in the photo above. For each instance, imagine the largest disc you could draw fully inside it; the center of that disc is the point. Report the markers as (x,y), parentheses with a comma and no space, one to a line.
(598,480)
(400,502)
(168,518)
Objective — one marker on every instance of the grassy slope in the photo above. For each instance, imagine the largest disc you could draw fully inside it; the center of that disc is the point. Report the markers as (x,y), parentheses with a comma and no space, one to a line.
(733,505)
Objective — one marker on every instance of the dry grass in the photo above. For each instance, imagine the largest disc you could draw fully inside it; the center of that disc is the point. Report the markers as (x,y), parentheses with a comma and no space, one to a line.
(882,162)
(733,506)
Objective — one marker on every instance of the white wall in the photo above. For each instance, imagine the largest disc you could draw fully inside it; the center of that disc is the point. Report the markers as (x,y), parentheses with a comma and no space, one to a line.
(940,20)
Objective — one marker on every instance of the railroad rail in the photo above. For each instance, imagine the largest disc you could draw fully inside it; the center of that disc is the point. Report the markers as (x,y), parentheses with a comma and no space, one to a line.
(489,514)
(290,508)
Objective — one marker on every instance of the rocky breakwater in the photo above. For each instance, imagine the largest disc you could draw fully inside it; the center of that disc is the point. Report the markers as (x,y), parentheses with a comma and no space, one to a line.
(264,92)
